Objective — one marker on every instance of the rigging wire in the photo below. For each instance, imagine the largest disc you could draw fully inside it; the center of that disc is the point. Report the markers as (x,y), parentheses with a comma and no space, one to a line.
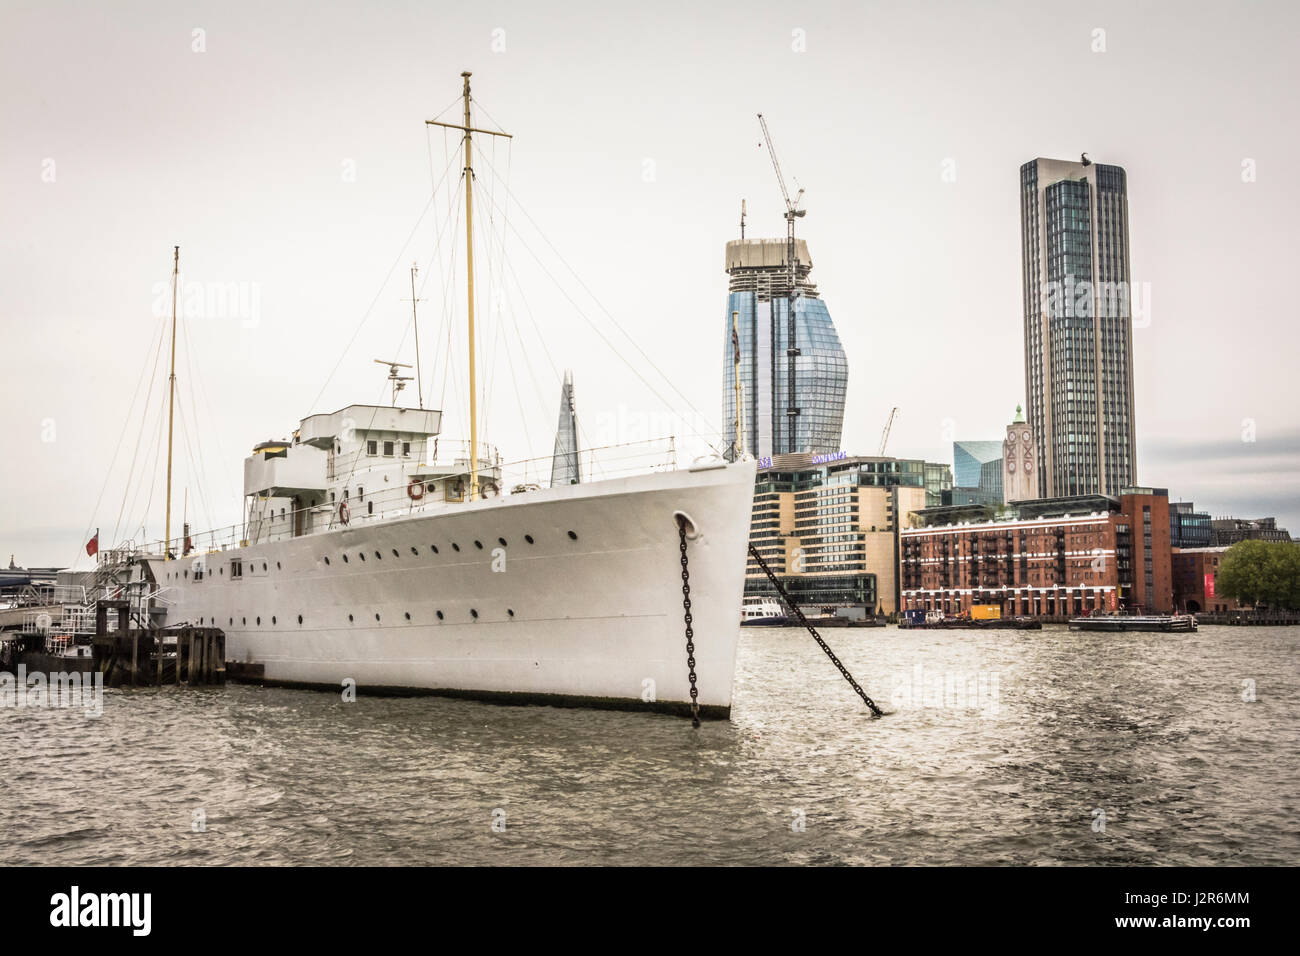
(604,338)
(144,419)
(126,419)
(369,309)
(708,421)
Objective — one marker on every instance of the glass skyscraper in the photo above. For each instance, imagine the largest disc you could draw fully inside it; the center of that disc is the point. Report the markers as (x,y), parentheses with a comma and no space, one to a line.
(759,292)
(1078,301)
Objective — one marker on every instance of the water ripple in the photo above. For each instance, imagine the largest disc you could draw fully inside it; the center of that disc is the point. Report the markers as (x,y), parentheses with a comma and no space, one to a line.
(1149,730)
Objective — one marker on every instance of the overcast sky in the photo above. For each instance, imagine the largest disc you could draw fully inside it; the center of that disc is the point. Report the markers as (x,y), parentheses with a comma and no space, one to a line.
(282,145)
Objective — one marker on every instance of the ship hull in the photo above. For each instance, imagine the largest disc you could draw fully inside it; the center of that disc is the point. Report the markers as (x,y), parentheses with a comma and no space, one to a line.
(587,614)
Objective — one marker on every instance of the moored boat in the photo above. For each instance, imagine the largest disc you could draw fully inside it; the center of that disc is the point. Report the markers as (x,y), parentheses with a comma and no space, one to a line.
(1134,622)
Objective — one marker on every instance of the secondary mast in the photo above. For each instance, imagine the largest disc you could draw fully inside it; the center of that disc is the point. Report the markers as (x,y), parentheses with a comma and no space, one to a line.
(171,405)
(467,129)
(415,321)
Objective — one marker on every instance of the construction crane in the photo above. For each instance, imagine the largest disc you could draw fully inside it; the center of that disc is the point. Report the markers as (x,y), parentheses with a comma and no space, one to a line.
(884,436)
(792,212)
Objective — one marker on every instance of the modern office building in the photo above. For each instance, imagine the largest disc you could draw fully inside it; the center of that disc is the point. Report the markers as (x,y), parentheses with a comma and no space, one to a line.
(969,457)
(1019,461)
(1078,307)
(1228,531)
(778,421)
(1055,558)
(938,483)
(1188,528)
(829,529)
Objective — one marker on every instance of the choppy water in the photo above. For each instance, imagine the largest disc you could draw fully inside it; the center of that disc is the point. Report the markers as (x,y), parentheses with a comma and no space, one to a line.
(1149,728)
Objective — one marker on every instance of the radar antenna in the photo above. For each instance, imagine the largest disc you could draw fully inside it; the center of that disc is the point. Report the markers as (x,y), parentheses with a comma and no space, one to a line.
(399,381)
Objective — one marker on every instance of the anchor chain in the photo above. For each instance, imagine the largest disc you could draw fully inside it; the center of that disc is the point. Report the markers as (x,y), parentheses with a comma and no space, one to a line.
(811,630)
(690,633)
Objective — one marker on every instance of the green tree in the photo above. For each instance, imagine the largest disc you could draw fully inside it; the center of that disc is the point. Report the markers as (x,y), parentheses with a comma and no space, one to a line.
(1262,572)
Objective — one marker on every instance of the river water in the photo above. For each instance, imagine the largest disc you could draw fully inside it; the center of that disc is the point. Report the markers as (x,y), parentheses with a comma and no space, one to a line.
(1005,747)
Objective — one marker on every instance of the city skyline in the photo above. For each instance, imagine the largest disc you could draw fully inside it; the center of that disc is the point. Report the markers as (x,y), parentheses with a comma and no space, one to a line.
(912,208)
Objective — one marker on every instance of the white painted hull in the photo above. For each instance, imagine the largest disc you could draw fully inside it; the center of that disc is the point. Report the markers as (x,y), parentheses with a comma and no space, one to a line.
(595,620)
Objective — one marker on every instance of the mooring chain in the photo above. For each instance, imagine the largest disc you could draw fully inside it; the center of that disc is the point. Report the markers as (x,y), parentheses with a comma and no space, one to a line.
(690,633)
(789,602)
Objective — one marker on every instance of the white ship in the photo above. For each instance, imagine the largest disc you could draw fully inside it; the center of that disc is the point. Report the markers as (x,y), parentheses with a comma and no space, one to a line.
(367,559)
(364,563)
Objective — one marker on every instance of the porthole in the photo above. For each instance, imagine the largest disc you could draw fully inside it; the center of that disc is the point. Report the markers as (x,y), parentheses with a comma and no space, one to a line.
(259,622)
(473,613)
(440,615)
(221,571)
(434,547)
(478,544)
(415,551)
(230,622)
(244,621)
(272,618)
(187,574)
(345,559)
(510,611)
(502,542)
(455,546)
(349,618)
(277,565)
(327,560)
(528,538)
(376,617)
(299,618)
(378,556)
(408,615)
(263,565)
(573,536)
(395,554)
(361,555)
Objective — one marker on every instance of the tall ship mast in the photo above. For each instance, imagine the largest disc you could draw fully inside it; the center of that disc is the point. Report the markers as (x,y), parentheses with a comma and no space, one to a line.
(375,553)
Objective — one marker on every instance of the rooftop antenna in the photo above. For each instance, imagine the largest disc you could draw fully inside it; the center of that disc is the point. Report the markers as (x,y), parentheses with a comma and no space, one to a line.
(742,219)
(399,381)
(792,212)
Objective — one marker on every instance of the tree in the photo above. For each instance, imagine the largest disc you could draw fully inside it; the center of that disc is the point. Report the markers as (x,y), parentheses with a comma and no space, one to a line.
(1261,572)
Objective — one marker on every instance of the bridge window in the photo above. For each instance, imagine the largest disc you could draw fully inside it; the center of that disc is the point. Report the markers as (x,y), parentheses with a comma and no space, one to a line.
(388,449)
(372,447)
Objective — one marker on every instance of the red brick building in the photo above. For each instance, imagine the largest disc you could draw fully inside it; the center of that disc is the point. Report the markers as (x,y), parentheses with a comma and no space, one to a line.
(1196,572)
(1060,557)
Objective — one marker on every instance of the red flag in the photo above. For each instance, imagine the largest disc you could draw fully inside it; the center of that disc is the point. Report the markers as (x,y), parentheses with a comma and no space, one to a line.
(92,546)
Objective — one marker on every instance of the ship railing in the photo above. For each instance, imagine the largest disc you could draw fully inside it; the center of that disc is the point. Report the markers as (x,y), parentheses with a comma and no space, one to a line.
(499,479)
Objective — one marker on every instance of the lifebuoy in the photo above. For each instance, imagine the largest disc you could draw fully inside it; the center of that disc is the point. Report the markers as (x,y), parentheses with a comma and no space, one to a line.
(344,514)
(415,490)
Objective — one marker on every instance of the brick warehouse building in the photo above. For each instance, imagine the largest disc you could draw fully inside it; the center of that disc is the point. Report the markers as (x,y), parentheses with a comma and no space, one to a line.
(1196,575)
(1057,558)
